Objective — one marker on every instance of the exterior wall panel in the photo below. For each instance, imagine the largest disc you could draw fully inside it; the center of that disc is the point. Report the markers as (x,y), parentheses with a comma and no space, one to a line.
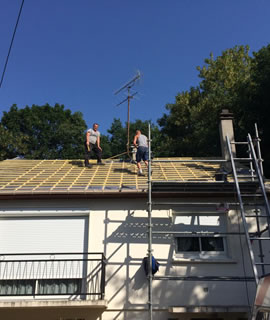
(119,229)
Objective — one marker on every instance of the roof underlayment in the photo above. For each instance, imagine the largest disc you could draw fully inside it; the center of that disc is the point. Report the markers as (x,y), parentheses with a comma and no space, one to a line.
(54,176)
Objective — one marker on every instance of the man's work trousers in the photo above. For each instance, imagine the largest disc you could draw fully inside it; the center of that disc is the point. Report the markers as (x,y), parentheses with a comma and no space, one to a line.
(88,153)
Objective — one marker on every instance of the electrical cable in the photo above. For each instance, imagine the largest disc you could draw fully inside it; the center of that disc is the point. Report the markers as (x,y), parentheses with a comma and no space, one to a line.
(116,156)
(11,43)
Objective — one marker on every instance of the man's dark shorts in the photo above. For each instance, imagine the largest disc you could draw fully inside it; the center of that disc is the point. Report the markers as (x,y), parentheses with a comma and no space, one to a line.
(142,154)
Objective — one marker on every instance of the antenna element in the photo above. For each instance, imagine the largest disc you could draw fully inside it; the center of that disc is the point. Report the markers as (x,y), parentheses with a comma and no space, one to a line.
(130,96)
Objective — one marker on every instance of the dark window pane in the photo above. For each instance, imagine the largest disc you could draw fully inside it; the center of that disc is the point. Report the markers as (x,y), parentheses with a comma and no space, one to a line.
(212,244)
(188,244)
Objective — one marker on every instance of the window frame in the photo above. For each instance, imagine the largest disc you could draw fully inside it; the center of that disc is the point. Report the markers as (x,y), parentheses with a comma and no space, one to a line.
(190,231)
(41,287)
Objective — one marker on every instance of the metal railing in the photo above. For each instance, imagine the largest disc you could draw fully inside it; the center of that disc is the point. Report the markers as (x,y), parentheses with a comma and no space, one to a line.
(77,275)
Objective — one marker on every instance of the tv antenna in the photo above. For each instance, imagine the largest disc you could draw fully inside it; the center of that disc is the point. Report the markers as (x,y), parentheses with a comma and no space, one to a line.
(127,87)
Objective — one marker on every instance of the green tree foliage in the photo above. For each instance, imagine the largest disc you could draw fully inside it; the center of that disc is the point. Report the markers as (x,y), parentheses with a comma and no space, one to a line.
(118,138)
(43,132)
(233,81)
(106,146)
(11,144)
(258,100)
(192,122)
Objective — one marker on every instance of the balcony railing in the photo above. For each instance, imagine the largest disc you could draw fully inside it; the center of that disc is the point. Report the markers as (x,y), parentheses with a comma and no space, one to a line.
(69,275)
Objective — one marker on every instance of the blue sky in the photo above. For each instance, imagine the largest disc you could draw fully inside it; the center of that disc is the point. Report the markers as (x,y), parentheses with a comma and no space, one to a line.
(79,52)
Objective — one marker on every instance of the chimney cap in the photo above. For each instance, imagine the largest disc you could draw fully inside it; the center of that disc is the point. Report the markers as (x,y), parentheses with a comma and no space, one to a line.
(226,114)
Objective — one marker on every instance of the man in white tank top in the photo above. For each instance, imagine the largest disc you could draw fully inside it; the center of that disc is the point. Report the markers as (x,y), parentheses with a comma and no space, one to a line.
(92,144)
(140,142)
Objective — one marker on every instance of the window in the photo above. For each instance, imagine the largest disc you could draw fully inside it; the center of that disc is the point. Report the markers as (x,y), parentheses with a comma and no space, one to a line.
(201,235)
(17,287)
(44,287)
(59,286)
(198,244)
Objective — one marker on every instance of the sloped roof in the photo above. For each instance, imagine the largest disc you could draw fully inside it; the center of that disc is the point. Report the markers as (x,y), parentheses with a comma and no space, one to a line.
(70,176)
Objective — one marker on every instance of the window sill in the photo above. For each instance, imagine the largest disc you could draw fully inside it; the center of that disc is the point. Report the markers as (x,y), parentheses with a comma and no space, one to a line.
(178,260)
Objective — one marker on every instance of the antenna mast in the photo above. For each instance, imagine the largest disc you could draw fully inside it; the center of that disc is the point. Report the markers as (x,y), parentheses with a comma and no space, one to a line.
(130,96)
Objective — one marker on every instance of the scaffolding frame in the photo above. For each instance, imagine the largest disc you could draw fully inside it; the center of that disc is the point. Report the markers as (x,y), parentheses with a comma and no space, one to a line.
(252,160)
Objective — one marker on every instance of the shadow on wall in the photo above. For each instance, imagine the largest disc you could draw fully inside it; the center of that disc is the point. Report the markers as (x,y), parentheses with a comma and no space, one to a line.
(125,245)
(134,230)
(139,279)
(125,272)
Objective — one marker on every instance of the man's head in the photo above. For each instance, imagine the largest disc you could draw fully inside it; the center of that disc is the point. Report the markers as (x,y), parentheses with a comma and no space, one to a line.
(138,132)
(95,126)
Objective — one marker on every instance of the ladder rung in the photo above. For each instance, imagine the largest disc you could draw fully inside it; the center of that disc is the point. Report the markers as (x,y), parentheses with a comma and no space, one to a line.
(251,195)
(243,175)
(203,234)
(255,203)
(204,278)
(246,177)
(262,264)
(259,239)
(242,159)
(238,142)
(258,216)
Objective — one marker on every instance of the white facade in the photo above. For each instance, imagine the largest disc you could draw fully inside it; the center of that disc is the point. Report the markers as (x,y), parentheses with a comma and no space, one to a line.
(118,228)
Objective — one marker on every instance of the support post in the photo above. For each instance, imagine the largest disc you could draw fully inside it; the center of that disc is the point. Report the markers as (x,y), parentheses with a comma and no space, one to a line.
(258,147)
(150,275)
(128,120)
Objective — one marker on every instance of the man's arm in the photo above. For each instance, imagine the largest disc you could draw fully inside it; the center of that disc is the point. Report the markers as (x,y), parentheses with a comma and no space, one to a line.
(87,140)
(98,143)
(135,141)
(87,137)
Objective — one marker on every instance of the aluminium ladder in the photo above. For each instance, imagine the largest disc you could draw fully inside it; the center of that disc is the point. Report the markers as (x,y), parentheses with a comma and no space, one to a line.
(255,176)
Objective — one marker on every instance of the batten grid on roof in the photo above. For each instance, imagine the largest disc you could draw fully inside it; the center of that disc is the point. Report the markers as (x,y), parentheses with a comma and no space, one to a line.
(70,176)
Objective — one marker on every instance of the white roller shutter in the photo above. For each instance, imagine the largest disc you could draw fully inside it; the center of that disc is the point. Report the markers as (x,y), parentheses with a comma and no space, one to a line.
(43,234)
(48,235)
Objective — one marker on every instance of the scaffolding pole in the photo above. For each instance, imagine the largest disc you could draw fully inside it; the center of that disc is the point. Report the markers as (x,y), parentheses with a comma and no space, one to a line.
(258,147)
(150,275)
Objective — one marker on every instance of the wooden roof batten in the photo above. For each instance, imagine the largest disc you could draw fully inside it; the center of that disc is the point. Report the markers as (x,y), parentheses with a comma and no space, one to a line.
(70,177)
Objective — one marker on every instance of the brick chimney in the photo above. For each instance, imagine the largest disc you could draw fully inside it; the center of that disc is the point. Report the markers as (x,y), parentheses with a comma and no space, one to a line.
(226,129)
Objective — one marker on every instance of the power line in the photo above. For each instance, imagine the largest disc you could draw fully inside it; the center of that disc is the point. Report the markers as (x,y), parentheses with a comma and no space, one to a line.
(11,43)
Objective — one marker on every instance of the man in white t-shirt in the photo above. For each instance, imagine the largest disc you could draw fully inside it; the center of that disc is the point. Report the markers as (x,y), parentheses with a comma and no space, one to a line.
(92,143)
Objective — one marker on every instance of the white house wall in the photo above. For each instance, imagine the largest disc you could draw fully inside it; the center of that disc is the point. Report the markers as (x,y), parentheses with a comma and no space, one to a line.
(125,245)
(118,228)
